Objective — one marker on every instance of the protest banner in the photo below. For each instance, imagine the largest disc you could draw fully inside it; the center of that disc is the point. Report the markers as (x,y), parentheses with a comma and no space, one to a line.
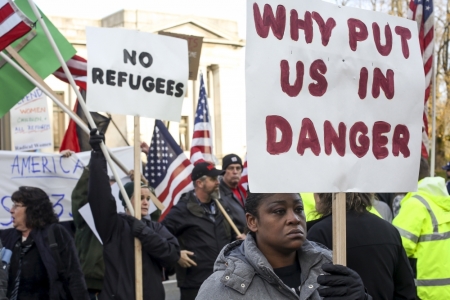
(56,175)
(195,49)
(30,123)
(139,73)
(334,98)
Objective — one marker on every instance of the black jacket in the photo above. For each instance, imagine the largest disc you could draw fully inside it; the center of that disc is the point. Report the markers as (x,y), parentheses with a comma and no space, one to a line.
(159,247)
(196,232)
(67,252)
(374,251)
(233,206)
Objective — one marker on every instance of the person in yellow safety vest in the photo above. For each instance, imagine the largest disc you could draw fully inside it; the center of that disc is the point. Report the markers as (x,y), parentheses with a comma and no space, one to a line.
(309,206)
(424,225)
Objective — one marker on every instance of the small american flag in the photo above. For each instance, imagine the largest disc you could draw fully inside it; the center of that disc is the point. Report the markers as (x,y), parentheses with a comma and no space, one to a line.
(422,12)
(202,147)
(168,169)
(243,183)
(13,23)
(78,68)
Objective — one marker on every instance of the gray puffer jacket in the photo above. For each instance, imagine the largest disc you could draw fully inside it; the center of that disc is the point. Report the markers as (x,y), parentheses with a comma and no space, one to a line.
(241,271)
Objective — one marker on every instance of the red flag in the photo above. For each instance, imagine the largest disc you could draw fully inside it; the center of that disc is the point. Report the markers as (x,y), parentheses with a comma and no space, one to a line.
(13,23)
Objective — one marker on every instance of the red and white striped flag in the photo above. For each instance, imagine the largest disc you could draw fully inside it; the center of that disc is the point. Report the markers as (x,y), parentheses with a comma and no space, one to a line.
(243,183)
(13,23)
(78,68)
(422,12)
(202,146)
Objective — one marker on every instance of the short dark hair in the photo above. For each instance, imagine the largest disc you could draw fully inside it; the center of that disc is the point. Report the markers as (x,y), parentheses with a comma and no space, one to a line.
(358,202)
(39,210)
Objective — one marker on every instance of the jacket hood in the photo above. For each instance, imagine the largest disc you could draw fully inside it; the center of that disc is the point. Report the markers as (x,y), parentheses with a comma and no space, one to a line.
(434,189)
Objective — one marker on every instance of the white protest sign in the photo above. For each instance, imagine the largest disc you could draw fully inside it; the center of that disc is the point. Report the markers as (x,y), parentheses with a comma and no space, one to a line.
(136,73)
(54,174)
(30,122)
(334,98)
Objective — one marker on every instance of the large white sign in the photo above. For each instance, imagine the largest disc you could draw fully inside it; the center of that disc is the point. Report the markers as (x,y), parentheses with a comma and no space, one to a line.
(136,73)
(334,98)
(30,122)
(54,174)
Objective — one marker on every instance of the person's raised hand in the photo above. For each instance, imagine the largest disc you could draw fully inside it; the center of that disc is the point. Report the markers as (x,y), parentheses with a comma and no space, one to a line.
(185,261)
(95,140)
(145,148)
(340,283)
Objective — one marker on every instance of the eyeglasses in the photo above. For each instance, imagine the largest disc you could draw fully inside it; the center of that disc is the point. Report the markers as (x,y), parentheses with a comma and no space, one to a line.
(16,205)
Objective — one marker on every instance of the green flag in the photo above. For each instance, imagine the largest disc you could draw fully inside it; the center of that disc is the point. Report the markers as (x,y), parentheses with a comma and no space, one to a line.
(38,54)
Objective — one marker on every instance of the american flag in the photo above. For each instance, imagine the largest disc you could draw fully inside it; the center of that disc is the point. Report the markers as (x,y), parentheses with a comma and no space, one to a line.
(201,148)
(243,183)
(13,23)
(168,169)
(422,12)
(78,68)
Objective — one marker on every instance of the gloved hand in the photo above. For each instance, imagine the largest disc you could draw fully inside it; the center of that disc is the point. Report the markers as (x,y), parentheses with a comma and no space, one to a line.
(340,283)
(136,225)
(96,139)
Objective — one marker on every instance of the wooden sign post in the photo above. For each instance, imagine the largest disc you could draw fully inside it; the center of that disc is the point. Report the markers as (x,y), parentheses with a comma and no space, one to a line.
(137,208)
(339,229)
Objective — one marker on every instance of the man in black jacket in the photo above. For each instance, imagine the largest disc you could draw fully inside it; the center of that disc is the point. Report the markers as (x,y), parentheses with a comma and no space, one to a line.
(117,232)
(200,227)
(230,194)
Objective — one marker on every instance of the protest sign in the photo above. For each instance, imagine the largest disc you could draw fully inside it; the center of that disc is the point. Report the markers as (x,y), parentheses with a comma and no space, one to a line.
(195,49)
(54,174)
(30,123)
(136,73)
(334,98)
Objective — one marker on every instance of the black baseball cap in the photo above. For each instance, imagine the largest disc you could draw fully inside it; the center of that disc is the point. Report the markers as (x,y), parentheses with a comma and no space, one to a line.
(446,167)
(205,169)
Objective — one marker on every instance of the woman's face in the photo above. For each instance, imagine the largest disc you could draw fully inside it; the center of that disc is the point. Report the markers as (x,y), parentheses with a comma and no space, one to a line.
(280,225)
(19,216)
(145,201)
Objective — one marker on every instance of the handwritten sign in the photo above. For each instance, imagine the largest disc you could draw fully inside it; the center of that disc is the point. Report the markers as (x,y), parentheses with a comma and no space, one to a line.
(136,73)
(30,122)
(334,98)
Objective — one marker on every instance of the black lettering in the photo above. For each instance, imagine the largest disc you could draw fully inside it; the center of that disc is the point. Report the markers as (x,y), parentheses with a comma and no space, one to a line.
(160,85)
(138,82)
(179,87)
(149,59)
(110,77)
(169,90)
(97,75)
(127,56)
(122,77)
(147,84)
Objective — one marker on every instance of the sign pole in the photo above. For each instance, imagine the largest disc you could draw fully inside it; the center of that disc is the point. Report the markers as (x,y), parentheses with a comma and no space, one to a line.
(137,207)
(339,229)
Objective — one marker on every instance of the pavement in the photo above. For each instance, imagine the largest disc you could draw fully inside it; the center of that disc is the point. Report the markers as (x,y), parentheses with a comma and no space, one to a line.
(172,291)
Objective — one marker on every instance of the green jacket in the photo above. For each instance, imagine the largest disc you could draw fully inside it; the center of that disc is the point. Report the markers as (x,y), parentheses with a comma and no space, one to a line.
(90,250)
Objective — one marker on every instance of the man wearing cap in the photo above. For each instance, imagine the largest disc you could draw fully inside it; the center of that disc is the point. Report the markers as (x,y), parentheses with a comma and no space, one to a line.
(230,193)
(200,227)
(447,170)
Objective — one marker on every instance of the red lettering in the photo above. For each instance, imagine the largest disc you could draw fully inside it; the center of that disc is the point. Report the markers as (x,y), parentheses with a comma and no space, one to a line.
(405,35)
(364,142)
(379,141)
(325,28)
(386,49)
(316,71)
(400,141)
(331,138)
(386,83)
(291,90)
(274,147)
(363,77)
(306,25)
(357,32)
(263,24)
(308,138)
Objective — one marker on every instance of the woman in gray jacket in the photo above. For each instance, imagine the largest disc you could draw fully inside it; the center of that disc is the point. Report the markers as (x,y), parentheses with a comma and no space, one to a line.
(276,261)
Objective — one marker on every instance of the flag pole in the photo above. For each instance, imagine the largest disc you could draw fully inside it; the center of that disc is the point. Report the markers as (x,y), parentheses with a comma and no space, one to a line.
(137,208)
(81,101)
(433,132)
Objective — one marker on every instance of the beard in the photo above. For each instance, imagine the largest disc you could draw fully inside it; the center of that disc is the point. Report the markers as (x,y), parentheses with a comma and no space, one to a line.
(215,194)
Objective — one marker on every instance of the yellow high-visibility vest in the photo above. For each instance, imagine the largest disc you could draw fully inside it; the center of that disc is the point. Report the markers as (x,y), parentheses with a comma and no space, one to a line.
(424,225)
(309,206)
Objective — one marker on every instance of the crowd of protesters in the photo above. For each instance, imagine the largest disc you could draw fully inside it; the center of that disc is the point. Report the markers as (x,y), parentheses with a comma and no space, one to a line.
(398,245)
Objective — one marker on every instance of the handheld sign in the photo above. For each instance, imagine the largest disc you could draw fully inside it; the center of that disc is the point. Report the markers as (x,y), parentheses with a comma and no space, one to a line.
(334,98)
(136,73)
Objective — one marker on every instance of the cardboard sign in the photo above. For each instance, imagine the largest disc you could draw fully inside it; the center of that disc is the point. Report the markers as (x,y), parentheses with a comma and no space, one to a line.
(30,123)
(136,73)
(54,174)
(195,49)
(334,98)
